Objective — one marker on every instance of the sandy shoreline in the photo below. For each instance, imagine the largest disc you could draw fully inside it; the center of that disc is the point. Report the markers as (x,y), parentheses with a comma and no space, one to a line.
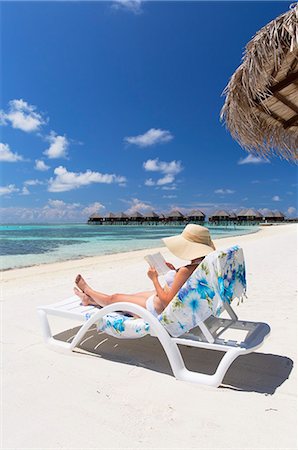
(125,396)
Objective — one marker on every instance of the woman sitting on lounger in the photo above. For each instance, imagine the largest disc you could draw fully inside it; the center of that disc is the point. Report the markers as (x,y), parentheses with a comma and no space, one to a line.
(193,244)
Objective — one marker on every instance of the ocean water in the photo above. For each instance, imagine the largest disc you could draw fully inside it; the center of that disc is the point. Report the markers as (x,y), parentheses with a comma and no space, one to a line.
(29,245)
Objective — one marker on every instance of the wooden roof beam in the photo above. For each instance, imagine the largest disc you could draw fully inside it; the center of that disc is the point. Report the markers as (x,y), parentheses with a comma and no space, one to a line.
(286,102)
(284,83)
(293,121)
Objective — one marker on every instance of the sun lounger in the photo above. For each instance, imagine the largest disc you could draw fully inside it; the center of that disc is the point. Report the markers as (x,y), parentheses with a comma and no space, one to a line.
(192,318)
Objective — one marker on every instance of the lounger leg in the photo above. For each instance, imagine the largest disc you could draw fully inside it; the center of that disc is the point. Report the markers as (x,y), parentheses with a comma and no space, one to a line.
(211,380)
(47,333)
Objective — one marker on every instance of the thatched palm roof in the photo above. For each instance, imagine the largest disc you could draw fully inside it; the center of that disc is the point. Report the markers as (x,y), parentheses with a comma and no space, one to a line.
(241,212)
(278,214)
(110,215)
(120,215)
(195,213)
(252,213)
(261,107)
(136,215)
(174,214)
(232,215)
(95,216)
(220,213)
(151,215)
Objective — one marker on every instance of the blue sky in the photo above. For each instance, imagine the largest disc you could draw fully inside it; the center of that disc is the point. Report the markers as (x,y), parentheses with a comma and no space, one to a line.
(114,106)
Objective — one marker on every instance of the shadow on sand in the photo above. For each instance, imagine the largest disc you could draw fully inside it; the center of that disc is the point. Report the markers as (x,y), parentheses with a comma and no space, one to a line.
(255,372)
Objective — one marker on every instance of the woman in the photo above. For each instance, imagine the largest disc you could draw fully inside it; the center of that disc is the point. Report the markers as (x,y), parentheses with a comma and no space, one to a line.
(193,244)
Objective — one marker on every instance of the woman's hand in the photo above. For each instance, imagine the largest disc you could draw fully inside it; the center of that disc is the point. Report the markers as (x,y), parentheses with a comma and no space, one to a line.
(170,266)
(152,274)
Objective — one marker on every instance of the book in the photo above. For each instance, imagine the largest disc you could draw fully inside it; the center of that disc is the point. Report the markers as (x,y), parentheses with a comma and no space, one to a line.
(157,261)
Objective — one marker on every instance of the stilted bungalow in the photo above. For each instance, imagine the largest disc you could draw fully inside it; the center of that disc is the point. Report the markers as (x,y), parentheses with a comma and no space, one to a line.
(95,219)
(250,216)
(174,216)
(279,216)
(136,217)
(121,218)
(273,216)
(151,218)
(196,216)
(109,218)
(233,217)
(219,216)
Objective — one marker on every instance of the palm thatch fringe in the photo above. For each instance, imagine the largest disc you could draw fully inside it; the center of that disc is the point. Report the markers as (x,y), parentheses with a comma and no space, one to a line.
(254,115)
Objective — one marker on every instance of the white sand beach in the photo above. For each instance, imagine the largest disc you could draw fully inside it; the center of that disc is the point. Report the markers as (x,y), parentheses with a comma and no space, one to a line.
(124,395)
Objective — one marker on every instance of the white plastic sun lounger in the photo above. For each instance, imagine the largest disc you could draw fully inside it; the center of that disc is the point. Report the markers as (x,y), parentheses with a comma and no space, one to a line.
(191,318)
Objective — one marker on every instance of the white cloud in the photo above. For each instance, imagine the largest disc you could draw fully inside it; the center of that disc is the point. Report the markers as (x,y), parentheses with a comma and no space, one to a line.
(53,211)
(7,155)
(67,181)
(23,116)
(251,159)
(58,146)
(255,182)
(291,211)
(40,165)
(149,182)
(169,188)
(151,137)
(137,205)
(224,191)
(154,165)
(95,207)
(167,179)
(32,182)
(134,6)
(168,169)
(276,198)
(169,196)
(7,190)
(25,191)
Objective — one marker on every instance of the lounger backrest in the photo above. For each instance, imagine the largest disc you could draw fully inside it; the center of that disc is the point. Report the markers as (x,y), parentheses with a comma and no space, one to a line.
(219,278)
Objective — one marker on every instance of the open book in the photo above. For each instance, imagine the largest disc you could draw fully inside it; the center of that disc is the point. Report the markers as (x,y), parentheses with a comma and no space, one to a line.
(158,262)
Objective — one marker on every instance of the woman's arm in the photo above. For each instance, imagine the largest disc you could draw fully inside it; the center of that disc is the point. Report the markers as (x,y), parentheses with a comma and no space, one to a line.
(166,296)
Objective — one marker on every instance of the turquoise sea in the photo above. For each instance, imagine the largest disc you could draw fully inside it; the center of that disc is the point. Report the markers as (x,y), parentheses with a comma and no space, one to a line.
(28,245)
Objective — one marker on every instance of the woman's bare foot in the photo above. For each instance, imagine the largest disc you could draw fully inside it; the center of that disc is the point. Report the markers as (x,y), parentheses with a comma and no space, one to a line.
(81,283)
(85,299)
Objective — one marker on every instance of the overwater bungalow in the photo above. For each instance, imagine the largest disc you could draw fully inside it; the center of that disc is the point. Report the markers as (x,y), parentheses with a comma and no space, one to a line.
(233,217)
(174,216)
(151,217)
(95,219)
(136,217)
(219,216)
(279,216)
(273,216)
(249,216)
(196,216)
(115,219)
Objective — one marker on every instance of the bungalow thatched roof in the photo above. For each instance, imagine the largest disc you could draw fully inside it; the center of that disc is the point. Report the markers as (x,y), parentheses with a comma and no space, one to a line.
(174,214)
(95,216)
(241,212)
(136,215)
(252,213)
(220,213)
(195,213)
(278,214)
(261,106)
(120,215)
(151,215)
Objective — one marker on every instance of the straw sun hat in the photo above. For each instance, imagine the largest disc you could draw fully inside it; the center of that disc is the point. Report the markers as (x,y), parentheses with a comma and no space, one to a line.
(194,242)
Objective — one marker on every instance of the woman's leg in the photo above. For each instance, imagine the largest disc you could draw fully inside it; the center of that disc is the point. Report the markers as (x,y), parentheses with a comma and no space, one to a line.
(102,299)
